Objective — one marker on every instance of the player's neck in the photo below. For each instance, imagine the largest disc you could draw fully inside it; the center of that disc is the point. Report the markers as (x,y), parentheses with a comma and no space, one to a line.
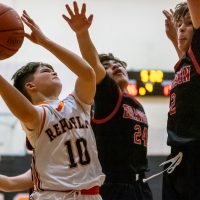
(38,100)
(123,86)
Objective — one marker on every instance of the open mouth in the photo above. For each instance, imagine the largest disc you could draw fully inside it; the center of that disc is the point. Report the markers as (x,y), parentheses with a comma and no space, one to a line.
(117,72)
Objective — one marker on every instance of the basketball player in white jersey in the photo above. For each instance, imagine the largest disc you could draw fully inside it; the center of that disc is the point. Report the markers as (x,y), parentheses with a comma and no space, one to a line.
(65,162)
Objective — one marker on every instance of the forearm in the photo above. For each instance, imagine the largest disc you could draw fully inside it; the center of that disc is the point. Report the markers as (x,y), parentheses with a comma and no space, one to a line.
(18,104)
(90,54)
(5,184)
(13,184)
(194,6)
(88,49)
(74,62)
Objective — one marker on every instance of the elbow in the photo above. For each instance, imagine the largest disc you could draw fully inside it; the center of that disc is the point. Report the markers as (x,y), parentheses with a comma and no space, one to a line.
(91,76)
(9,187)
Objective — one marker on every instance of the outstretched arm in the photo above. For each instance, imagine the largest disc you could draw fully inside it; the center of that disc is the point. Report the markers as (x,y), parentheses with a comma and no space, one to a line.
(170,30)
(18,183)
(80,24)
(85,85)
(194,7)
(18,104)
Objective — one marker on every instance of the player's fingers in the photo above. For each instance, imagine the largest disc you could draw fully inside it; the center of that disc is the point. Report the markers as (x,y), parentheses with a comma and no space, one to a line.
(171,11)
(167,14)
(66,18)
(28,18)
(83,9)
(90,18)
(76,10)
(25,13)
(69,10)
(30,25)
(27,35)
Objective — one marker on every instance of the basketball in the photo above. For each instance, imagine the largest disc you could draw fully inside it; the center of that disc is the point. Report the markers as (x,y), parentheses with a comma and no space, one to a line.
(11,31)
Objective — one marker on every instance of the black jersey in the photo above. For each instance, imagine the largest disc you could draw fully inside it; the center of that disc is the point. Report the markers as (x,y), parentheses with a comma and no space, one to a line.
(184,113)
(120,127)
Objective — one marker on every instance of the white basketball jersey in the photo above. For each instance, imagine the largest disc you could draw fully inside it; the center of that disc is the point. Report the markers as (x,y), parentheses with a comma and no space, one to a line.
(65,154)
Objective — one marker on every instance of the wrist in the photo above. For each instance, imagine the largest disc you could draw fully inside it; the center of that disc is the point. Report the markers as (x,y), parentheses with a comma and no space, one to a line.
(82,33)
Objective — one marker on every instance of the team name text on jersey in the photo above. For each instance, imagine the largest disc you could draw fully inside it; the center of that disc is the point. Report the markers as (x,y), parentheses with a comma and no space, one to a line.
(135,114)
(181,76)
(65,124)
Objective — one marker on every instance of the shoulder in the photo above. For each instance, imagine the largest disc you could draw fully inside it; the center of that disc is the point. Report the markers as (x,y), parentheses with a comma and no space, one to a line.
(75,101)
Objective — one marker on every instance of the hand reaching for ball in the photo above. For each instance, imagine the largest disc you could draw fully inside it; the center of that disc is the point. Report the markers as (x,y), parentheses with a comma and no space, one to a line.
(36,35)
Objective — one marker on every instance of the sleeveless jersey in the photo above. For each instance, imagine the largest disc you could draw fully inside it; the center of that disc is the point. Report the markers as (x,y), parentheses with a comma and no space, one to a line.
(65,154)
(120,127)
(183,118)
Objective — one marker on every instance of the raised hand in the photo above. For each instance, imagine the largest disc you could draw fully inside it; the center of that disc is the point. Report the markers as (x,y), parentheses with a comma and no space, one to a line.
(78,20)
(170,28)
(36,35)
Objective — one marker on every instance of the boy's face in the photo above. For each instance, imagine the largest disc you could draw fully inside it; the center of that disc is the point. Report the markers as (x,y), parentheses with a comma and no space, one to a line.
(47,82)
(185,32)
(116,71)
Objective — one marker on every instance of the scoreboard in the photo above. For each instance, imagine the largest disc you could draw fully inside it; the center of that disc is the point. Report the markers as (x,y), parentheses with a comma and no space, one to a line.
(150,82)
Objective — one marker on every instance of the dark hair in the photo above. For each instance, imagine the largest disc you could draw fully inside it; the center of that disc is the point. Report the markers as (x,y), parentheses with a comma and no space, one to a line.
(181,10)
(106,57)
(25,74)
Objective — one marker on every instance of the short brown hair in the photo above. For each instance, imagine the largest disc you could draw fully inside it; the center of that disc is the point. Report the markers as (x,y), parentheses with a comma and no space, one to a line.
(106,57)
(25,74)
(181,10)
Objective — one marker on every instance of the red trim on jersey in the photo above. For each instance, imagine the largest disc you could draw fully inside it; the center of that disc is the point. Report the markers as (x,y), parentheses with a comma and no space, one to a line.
(177,65)
(194,61)
(35,175)
(101,121)
(92,191)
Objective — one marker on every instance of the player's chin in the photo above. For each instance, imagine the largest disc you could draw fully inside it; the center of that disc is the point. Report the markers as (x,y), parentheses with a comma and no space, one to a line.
(56,81)
(121,79)
(57,85)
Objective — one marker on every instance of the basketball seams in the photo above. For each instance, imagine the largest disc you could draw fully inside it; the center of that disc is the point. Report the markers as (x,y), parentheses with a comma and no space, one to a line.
(5,11)
(8,48)
(20,30)
(13,15)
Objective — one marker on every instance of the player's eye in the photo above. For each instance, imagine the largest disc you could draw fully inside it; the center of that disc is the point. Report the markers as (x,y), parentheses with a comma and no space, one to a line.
(46,70)
(106,66)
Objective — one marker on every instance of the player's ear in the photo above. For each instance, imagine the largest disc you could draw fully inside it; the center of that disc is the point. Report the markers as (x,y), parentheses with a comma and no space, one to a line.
(30,86)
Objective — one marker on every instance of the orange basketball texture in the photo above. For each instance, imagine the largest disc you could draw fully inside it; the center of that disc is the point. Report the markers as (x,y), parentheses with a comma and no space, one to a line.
(11,31)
